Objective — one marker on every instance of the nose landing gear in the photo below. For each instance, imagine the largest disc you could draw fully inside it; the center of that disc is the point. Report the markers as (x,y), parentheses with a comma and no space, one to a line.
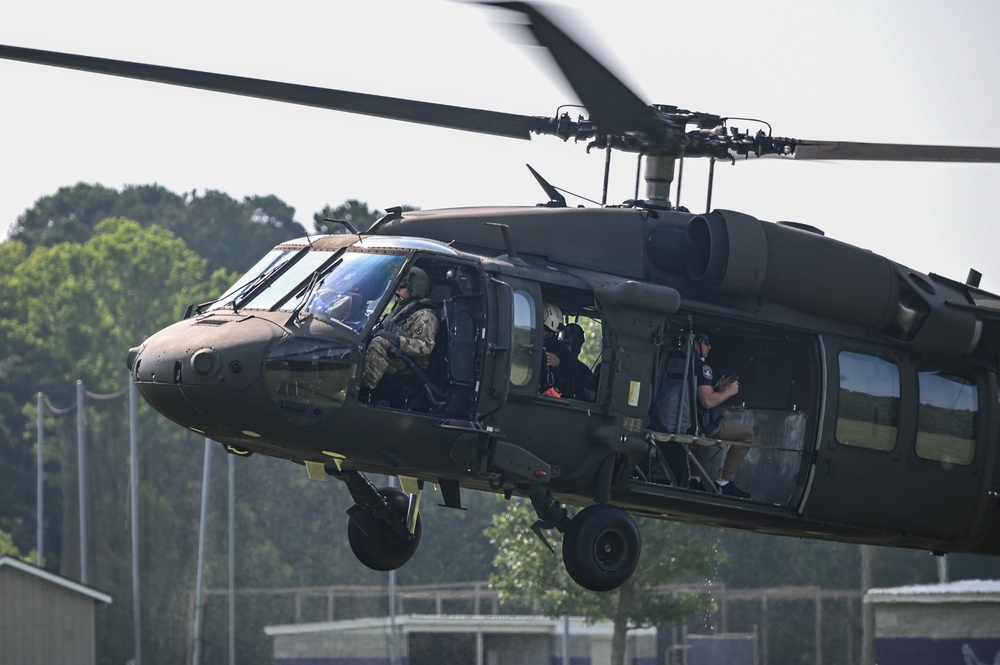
(382,531)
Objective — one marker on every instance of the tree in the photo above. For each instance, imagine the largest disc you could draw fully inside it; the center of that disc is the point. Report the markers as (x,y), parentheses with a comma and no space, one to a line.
(352,211)
(233,234)
(230,234)
(8,548)
(69,312)
(69,215)
(525,571)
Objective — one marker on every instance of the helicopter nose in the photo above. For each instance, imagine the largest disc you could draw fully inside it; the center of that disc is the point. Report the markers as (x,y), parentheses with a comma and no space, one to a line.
(193,371)
(243,377)
(130,358)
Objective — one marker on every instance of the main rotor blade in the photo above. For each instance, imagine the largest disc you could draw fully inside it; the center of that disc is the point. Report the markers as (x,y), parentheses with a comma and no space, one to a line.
(893,152)
(440,115)
(612,105)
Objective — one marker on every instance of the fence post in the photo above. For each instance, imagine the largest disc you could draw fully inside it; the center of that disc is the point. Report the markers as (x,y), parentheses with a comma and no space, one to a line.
(81,466)
(40,501)
(133,444)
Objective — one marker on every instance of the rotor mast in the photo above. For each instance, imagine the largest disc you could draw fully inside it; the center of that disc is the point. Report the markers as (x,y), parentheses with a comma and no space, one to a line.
(659,176)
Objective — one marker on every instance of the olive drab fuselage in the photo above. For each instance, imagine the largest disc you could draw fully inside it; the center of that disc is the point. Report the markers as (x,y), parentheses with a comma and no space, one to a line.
(871,388)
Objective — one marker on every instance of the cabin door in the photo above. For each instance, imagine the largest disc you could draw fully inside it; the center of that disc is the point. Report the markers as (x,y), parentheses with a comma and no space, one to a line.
(903,444)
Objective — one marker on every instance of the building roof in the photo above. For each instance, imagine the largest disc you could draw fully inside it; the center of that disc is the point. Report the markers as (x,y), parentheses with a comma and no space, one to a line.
(454,623)
(964,591)
(58,580)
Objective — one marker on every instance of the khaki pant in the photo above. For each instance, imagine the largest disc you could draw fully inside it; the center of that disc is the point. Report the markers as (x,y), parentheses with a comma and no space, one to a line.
(736,454)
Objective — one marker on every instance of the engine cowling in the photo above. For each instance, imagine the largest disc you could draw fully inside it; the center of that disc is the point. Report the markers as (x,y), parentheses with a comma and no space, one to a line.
(805,270)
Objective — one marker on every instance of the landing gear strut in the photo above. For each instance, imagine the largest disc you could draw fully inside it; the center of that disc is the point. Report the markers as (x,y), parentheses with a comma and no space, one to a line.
(601,544)
(383,531)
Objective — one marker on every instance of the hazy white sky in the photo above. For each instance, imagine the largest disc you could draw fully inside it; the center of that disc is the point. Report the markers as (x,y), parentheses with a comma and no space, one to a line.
(906,71)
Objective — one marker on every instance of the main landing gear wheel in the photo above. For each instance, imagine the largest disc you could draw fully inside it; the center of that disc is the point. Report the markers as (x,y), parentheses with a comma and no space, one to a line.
(380,545)
(601,547)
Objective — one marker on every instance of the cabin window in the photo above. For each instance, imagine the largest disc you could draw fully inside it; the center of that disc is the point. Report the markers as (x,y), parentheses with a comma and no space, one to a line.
(868,407)
(948,419)
(523,356)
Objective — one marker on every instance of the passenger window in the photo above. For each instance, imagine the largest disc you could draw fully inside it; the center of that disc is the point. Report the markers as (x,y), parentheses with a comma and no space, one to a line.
(522,356)
(948,420)
(868,407)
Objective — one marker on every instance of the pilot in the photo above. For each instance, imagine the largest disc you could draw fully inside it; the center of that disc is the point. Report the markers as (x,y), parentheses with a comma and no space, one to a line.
(710,394)
(409,328)
(559,363)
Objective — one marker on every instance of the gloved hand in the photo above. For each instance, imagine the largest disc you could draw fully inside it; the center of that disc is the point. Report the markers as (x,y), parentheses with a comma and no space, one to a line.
(392,338)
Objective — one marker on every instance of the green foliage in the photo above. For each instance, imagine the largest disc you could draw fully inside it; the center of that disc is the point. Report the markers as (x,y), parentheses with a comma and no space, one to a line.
(81,306)
(69,215)
(352,211)
(229,234)
(8,548)
(525,572)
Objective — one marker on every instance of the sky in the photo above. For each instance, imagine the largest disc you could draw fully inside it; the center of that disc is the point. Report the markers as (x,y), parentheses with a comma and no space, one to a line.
(901,71)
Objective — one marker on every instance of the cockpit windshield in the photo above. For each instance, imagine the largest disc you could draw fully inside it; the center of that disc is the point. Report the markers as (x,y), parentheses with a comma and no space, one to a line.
(352,290)
(335,286)
(270,264)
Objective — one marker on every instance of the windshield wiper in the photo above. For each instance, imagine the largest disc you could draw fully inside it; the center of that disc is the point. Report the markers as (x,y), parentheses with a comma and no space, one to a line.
(260,280)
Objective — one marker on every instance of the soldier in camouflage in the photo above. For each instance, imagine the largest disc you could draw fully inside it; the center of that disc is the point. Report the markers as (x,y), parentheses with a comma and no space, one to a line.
(410,329)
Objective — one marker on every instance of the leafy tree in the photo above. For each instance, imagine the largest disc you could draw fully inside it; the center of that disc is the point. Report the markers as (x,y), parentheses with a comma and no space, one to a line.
(235,234)
(8,548)
(81,306)
(230,234)
(69,215)
(352,211)
(524,571)
(68,312)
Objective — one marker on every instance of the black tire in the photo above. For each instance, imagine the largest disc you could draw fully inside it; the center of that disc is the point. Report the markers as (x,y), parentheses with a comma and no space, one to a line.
(601,547)
(383,548)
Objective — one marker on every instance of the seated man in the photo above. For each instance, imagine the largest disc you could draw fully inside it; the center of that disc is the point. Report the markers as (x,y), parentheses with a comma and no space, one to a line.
(558,363)
(710,394)
(675,412)
(574,337)
(409,328)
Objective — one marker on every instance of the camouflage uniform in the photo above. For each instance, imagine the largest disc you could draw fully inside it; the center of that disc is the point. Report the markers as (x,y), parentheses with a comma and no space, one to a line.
(416,330)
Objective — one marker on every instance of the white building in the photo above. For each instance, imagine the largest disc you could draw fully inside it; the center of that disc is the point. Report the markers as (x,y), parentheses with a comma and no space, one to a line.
(456,640)
(936,624)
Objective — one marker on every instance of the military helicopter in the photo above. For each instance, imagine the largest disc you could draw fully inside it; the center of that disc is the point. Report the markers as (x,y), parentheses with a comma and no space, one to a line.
(871,388)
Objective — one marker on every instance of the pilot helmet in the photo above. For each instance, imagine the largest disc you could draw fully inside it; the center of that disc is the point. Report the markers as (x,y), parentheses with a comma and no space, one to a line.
(417,282)
(552,317)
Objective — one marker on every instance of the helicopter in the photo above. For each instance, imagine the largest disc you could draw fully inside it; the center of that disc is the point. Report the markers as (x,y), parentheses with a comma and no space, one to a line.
(871,388)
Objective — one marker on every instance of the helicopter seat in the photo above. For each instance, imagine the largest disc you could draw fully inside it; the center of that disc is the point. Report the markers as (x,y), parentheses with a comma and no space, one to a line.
(672,413)
(446,385)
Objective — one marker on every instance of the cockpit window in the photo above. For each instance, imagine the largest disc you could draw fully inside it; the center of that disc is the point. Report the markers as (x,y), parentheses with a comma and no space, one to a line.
(346,287)
(270,264)
(280,291)
(351,291)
